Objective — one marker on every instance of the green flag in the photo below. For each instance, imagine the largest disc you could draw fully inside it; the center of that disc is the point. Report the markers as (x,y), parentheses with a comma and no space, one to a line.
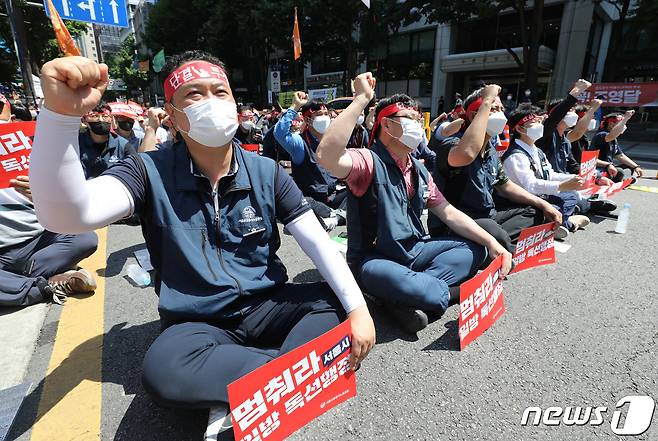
(159,61)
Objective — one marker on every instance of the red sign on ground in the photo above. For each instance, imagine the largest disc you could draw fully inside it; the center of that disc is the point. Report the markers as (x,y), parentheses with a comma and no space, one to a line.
(535,247)
(480,303)
(15,149)
(588,167)
(607,191)
(282,396)
(623,94)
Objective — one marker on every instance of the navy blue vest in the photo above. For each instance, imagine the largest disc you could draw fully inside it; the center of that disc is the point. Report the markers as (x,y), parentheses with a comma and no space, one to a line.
(311,178)
(95,161)
(384,220)
(539,174)
(209,253)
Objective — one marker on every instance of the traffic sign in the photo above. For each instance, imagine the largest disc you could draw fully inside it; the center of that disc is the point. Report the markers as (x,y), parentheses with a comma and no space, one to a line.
(107,12)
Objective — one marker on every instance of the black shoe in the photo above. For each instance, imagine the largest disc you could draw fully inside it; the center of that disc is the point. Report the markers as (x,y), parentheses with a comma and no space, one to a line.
(409,319)
(602,205)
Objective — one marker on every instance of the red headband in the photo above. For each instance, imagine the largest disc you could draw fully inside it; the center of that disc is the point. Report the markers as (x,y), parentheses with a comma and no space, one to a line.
(474,106)
(386,112)
(524,120)
(123,109)
(191,71)
(307,112)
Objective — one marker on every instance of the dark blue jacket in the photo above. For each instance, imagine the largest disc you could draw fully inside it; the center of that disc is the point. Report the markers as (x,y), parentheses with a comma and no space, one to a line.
(384,221)
(94,160)
(211,251)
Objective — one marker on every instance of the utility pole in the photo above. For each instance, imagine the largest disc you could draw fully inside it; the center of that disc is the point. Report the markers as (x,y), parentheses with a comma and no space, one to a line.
(15,16)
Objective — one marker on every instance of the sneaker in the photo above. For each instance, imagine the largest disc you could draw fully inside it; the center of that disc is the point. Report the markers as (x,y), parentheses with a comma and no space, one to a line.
(219,420)
(602,205)
(411,320)
(71,282)
(561,233)
(579,221)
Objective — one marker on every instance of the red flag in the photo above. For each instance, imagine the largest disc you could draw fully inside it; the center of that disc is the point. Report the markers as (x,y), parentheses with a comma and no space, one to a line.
(296,39)
(64,39)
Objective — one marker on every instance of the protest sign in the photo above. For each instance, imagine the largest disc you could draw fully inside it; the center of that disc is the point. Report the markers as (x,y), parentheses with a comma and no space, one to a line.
(535,247)
(15,149)
(282,396)
(588,167)
(481,303)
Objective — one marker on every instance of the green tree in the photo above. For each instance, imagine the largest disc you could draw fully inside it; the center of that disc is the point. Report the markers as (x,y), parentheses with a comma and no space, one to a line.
(122,66)
(41,42)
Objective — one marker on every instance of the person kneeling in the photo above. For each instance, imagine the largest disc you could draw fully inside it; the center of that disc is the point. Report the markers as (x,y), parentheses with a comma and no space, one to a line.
(388,249)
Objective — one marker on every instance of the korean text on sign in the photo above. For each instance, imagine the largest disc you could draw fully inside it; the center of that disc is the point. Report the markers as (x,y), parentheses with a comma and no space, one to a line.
(536,247)
(481,303)
(280,397)
(15,148)
(588,167)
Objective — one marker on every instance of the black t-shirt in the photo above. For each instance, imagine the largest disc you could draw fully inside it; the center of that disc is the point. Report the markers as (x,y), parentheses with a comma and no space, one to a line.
(607,150)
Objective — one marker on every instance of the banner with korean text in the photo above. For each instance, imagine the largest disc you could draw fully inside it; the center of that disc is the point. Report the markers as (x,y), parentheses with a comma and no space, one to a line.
(15,149)
(535,247)
(480,303)
(282,396)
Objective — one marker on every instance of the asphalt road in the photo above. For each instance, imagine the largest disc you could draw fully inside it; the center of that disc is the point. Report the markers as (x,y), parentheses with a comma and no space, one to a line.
(579,333)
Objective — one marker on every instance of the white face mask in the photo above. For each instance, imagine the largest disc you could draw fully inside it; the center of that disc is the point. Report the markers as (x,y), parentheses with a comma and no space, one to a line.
(570,119)
(213,122)
(360,119)
(321,123)
(412,133)
(496,123)
(248,125)
(509,97)
(592,125)
(527,93)
(535,131)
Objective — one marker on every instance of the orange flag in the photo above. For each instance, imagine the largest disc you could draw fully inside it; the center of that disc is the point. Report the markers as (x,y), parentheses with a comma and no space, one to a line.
(64,39)
(296,39)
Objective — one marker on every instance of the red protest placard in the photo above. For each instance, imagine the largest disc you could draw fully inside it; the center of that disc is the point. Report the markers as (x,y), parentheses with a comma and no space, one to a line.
(535,247)
(607,191)
(588,167)
(480,303)
(15,148)
(282,396)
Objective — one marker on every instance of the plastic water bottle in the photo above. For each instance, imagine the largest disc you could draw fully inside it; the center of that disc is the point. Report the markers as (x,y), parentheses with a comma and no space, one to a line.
(139,275)
(622,219)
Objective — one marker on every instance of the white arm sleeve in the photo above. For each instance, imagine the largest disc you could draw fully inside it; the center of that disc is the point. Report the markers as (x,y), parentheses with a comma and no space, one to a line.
(317,245)
(65,202)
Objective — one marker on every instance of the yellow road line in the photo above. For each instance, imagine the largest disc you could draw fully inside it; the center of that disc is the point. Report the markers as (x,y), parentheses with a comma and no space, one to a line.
(644,188)
(70,405)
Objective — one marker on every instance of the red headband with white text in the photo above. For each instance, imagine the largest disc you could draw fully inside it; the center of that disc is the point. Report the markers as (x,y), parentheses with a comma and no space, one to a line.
(387,111)
(189,72)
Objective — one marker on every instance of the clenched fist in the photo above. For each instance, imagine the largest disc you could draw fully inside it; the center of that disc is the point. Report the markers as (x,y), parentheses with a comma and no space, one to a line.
(73,85)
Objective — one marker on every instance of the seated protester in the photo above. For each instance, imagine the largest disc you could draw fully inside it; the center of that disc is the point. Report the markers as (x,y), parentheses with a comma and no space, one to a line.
(313,180)
(37,265)
(20,113)
(468,171)
(208,212)
(125,119)
(387,248)
(586,123)
(155,133)
(605,141)
(359,138)
(247,132)
(554,143)
(99,148)
(5,110)
(526,165)
(271,147)
(449,127)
